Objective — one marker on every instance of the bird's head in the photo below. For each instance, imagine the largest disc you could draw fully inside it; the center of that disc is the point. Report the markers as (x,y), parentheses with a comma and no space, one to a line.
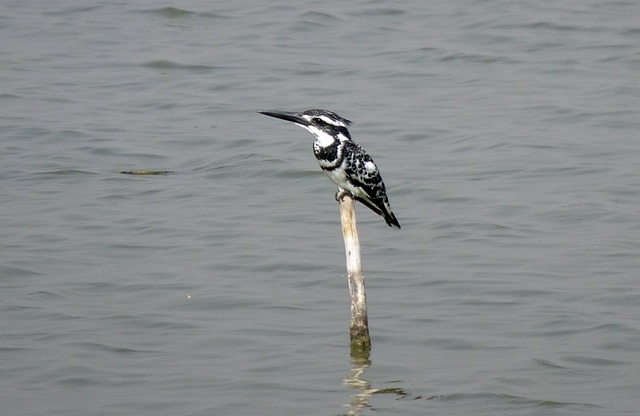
(321,123)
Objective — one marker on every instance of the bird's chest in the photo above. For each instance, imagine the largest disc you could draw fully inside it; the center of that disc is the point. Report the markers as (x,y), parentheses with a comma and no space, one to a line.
(328,153)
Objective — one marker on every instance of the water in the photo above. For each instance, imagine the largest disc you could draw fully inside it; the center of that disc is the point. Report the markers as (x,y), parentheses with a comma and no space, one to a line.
(506,134)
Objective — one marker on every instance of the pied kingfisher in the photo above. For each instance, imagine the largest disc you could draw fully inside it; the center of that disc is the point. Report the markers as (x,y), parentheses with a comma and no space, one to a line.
(344,161)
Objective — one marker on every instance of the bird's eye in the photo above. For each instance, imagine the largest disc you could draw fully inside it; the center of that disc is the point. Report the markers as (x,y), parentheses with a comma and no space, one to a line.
(318,120)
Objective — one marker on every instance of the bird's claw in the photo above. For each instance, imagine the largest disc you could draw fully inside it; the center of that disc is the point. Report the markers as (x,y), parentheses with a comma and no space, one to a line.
(342,193)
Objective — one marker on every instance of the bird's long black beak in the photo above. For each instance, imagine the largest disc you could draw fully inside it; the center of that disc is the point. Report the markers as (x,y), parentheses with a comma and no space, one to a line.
(288,116)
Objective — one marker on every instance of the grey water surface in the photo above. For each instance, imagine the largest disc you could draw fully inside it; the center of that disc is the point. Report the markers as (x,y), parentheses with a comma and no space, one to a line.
(507,136)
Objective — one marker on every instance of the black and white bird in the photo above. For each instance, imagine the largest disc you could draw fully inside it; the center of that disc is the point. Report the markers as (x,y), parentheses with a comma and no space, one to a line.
(344,161)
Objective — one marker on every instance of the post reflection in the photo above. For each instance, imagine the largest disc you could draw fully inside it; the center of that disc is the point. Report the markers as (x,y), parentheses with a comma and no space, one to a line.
(363,391)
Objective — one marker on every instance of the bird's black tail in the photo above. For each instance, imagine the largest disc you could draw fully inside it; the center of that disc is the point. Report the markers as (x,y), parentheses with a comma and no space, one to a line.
(388,216)
(391,220)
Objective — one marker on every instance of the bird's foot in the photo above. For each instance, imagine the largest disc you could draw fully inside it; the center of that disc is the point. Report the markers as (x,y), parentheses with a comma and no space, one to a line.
(343,193)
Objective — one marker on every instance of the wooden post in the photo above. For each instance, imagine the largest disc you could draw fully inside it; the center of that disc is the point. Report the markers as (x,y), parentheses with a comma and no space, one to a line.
(359,329)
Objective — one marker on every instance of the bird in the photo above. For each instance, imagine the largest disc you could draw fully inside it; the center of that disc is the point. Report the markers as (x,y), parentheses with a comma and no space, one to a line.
(344,161)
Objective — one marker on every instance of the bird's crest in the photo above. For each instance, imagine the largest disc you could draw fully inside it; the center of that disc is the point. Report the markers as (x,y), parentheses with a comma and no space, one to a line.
(329,117)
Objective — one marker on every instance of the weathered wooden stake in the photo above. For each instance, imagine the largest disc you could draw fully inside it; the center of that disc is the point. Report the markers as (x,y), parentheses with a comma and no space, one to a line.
(359,330)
